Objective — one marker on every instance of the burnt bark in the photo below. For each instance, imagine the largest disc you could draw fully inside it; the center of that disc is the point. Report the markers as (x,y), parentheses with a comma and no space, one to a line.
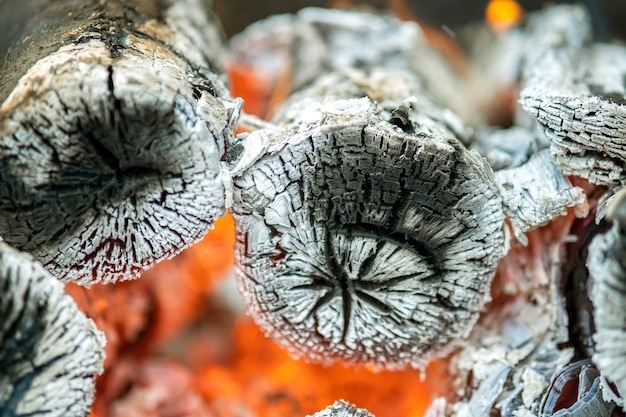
(113,122)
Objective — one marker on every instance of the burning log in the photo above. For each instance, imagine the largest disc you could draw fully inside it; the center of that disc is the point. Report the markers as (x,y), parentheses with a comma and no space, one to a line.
(113,123)
(342,409)
(290,51)
(575,90)
(50,350)
(366,234)
(348,211)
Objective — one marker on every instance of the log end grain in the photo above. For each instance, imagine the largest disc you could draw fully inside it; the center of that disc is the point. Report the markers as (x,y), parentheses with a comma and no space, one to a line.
(359,242)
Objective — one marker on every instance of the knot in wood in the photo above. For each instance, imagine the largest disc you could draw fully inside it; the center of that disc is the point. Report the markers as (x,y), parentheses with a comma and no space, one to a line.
(359,242)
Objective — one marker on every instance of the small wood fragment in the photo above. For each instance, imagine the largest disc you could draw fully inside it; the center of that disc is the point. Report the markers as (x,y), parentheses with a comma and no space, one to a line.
(342,408)
(536,193)
(49,351)
(113,122)
(364,241)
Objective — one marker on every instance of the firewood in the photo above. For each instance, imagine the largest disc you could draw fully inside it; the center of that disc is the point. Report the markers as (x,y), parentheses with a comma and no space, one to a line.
(607,269)
(49,351)
(342,408)
(575,91)
(112,126)
(366,234)
(295,49)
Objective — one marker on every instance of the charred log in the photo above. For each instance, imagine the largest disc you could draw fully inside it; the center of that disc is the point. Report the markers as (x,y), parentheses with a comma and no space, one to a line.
(112,125)
(49,351)
(364,241)
(575,90)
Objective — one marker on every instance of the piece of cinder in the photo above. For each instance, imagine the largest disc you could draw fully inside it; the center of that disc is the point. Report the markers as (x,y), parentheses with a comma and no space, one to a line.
(50,352)
(113,119)
(364,236)
(342,408)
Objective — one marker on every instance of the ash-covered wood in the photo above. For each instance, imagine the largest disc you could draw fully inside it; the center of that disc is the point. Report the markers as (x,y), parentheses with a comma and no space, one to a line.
(575,89)
(49,351)
(607,268)
(298,48)
(342,408)
(536,193)
(112,125)
(364,239)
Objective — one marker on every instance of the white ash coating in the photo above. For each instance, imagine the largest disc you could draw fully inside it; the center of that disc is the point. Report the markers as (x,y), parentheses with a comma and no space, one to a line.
(361,243)
(576,91)
(107,165)
(49,351)
(342,408)
(607,268)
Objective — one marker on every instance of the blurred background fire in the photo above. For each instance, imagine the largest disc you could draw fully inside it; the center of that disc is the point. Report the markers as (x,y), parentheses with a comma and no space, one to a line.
(179,342)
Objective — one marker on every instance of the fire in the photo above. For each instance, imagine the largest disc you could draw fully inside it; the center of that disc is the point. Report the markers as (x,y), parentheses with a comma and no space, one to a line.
(272,383)
(503,14)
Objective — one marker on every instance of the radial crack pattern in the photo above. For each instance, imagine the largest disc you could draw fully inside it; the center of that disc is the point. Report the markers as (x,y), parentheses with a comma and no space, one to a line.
(359,242)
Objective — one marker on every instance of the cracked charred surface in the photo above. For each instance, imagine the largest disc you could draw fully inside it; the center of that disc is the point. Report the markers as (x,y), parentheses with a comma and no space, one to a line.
(575,89)
(112,128)
(50,350)
(342,408)
(360,242)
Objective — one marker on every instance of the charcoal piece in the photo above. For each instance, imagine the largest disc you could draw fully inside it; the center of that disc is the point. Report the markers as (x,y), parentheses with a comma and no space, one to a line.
(536,193)
(112,126)
(607,269)
(342,408)
(360,242)
(50,352)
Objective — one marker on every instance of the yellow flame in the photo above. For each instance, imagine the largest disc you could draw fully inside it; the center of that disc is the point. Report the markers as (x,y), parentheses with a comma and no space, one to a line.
(503,14)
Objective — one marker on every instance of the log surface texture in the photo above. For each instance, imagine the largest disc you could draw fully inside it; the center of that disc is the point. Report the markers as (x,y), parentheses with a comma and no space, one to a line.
(112,126)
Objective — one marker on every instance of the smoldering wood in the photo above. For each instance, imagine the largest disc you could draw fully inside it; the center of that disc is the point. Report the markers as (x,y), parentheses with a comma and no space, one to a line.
(363,242)
(575,90)
(112,126)
(536,193)
(50,352)
(305,45)
(342,408)
(606,263)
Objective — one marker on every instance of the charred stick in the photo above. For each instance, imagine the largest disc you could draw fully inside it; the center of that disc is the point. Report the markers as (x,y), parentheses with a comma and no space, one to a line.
(113,119)
(49,351)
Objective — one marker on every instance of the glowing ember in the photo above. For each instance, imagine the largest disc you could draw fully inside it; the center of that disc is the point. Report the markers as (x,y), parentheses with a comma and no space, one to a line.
(503,14)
